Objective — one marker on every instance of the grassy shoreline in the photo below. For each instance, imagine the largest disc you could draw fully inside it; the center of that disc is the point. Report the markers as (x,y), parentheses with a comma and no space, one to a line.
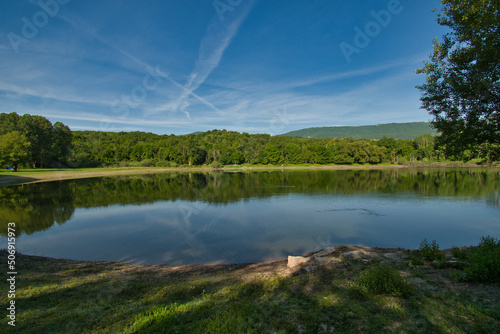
(45,175)
(65,296)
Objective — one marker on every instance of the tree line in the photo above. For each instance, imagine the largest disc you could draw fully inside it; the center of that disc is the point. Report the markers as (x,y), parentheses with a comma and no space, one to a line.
(221,147)
(33,141)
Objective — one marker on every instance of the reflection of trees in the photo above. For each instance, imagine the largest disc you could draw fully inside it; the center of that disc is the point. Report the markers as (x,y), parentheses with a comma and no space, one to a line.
(494,200)
(36,207)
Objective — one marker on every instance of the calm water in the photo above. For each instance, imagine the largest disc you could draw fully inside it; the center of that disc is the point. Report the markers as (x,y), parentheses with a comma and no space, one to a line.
(220,217)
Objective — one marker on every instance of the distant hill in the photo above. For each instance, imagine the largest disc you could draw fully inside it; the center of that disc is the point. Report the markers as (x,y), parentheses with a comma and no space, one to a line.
(394,130)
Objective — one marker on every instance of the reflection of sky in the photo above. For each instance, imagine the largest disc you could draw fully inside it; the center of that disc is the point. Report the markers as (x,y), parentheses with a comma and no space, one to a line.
(261,229)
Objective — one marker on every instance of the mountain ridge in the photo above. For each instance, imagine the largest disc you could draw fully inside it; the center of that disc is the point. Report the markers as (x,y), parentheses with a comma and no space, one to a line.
(408,130)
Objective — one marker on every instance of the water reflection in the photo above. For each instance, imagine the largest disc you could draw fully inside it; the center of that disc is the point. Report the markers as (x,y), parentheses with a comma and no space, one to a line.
(244,217)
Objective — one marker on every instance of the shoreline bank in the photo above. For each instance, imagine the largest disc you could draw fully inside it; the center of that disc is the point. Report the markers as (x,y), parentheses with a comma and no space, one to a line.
(34,176)
(325,258)
(67,296)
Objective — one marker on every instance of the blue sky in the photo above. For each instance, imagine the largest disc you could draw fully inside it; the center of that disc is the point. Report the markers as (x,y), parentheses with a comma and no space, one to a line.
(257,66)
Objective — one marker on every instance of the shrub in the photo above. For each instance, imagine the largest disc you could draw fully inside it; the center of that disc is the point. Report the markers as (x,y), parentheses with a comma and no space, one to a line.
(216,164)
(147,163)
(484,261)
(459,253)
(382,279)
(429,251)
(476,161)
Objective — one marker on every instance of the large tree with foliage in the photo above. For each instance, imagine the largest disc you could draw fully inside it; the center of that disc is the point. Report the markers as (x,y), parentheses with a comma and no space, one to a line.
(49,145)
(462,87)
(13,149)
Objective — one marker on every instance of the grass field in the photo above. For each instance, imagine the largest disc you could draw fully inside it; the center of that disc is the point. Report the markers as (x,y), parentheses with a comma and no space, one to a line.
(62,296)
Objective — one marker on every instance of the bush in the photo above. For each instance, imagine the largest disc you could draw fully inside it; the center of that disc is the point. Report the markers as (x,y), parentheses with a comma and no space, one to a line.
(147,163)
(459,253)
(216,164)
(121,164)
(429,251)
(484,261)
(382,279)
(476,161)
(165,163)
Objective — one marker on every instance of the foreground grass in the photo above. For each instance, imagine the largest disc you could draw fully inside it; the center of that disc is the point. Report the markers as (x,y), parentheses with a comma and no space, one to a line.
(61,296)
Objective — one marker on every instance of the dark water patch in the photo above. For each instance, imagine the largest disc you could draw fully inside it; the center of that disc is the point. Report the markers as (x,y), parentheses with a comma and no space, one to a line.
(361,211)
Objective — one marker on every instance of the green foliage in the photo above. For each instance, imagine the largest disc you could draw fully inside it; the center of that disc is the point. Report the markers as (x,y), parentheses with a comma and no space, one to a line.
(224,147)
(462,88)
(57,146)
(393,130)
(49,145)
(216,164)
(87,297)
(232,148)
(484,261)
(459,253)
(415,261)
(13,149)
(430,251)
(383,279)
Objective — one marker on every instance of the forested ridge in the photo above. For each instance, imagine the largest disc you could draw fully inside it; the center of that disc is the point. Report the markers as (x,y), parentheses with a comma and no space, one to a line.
(393,130)
(221,147)
(35,142)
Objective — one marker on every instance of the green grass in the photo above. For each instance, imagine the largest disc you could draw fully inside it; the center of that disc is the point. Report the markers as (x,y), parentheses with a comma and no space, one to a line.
(483,261)
(383,279)
(60,296)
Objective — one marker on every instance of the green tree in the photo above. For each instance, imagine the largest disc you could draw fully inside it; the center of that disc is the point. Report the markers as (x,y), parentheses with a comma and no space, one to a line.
(61,142)
(424,141)
(13,149)
(9,123)
(392,146)
(38,130)
(271,155)
(462,88)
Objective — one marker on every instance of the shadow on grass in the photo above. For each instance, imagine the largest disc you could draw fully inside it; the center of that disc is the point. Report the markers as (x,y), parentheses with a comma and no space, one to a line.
(58,296)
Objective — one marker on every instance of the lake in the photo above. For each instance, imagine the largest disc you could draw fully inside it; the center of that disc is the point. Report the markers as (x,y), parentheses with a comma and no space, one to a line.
(235,217)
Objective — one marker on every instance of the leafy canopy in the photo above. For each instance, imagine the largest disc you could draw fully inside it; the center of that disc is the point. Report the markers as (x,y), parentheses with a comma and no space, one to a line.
(462,88)
(13,149)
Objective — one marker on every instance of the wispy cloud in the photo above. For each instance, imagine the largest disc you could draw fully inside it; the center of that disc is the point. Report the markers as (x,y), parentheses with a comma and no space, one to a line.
(217,38)
(186,91)
(340,76)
